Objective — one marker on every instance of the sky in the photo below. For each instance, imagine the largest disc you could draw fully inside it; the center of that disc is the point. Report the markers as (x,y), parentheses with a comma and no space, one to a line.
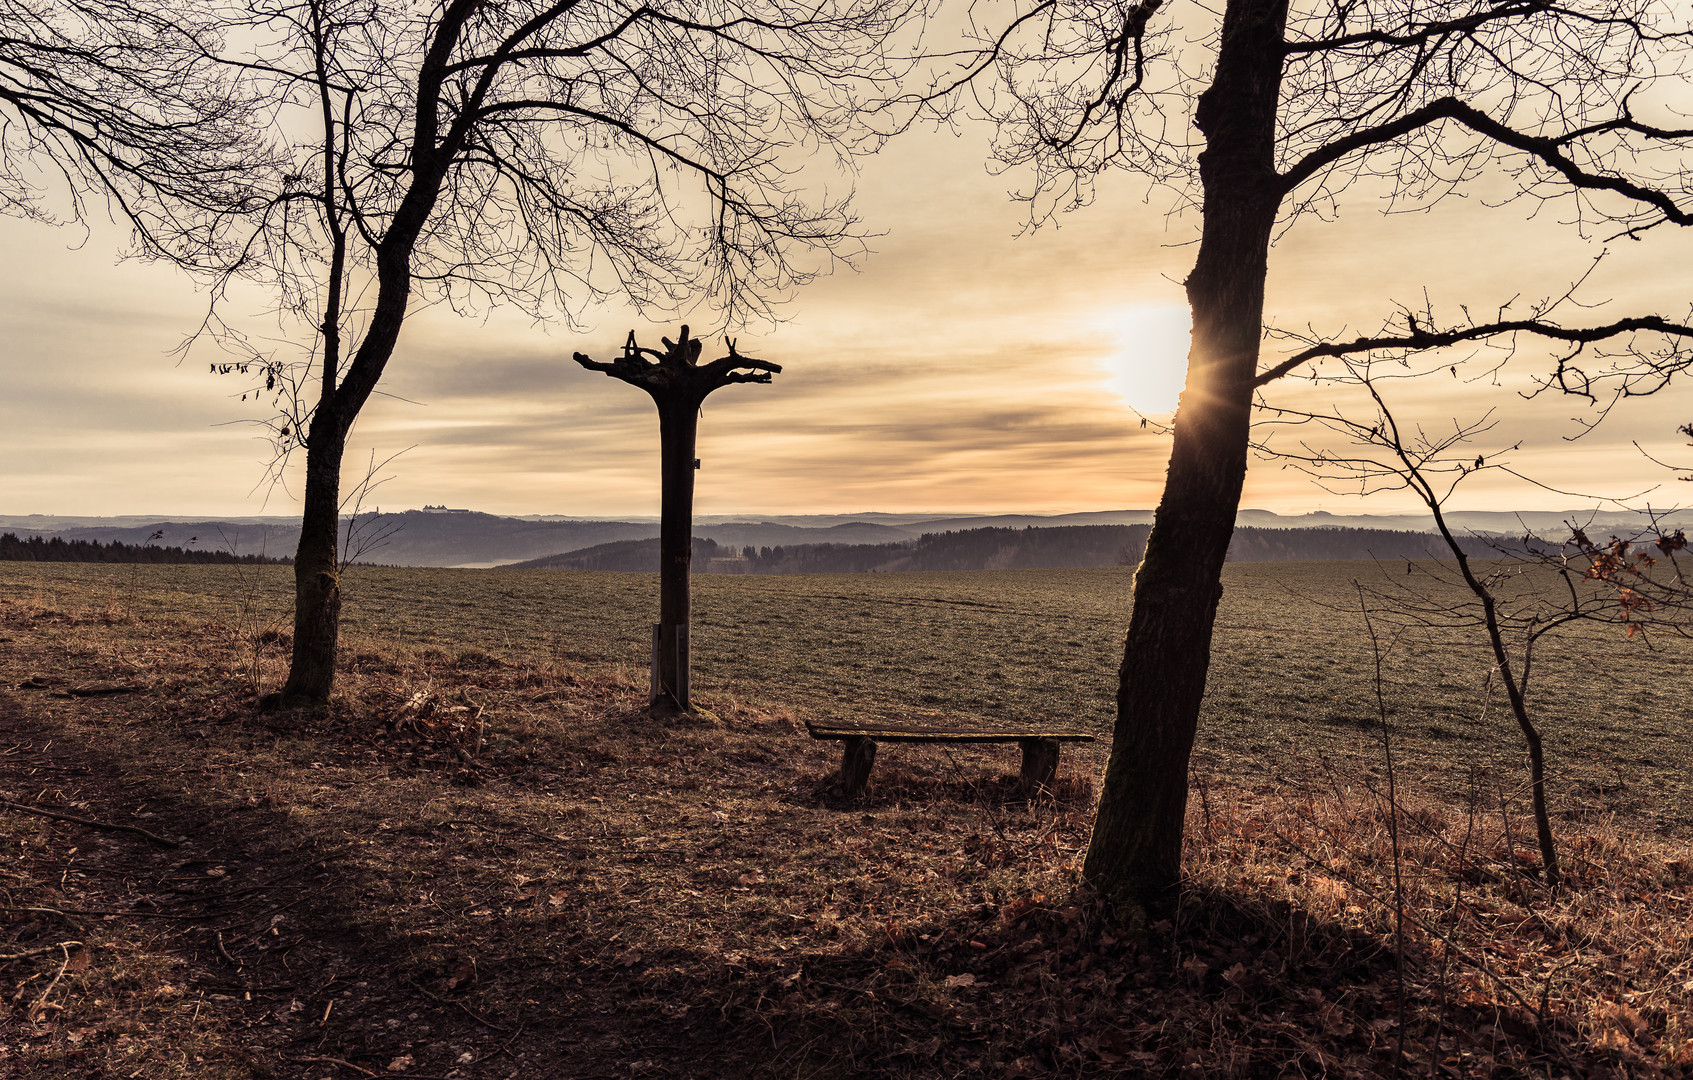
(968,366)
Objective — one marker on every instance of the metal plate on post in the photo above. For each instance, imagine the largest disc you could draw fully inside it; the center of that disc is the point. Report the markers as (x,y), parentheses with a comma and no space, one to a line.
(682,699)
(652,682)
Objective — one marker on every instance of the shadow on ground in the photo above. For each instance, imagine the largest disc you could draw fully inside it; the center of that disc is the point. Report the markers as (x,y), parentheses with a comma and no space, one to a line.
(365,894)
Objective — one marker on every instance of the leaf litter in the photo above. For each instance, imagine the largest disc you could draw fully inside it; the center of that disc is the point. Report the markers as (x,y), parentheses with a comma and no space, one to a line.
(523,873)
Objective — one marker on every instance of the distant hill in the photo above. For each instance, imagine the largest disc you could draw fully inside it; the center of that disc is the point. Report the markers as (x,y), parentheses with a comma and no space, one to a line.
(640,556)
(971,549)
(412,538)
(468,538)
(1321,545)
(1005,549)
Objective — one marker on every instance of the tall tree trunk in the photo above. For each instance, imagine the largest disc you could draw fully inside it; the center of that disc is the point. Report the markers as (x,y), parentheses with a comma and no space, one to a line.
(1134,856)
(317,569)
(678,428)
(317,563)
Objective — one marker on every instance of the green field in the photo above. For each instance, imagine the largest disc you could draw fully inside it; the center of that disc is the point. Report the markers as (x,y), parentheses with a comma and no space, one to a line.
(1291,684)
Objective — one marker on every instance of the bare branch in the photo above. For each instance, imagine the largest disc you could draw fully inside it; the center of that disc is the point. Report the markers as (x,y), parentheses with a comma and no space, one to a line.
(1416,338)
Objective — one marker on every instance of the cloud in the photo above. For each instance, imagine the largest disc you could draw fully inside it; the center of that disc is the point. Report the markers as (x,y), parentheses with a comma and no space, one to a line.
(966,368)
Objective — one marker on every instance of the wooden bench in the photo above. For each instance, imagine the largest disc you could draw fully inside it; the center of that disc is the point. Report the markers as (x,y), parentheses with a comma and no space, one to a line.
(858,754)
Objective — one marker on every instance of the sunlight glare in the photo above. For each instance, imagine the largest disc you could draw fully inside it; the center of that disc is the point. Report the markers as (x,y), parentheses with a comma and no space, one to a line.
(1148,363)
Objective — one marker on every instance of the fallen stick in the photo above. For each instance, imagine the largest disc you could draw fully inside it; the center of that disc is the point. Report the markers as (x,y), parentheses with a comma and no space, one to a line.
(57,816)
(41,1005)
(44,950)
(470,1012)
(331,1061)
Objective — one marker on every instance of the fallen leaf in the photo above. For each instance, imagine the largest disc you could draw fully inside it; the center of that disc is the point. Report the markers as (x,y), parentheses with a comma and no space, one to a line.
(1623,1017)
(928,1048)
(463,975)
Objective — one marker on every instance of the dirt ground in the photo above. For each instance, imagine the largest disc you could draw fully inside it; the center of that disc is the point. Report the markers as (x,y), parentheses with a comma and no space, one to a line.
(482,865)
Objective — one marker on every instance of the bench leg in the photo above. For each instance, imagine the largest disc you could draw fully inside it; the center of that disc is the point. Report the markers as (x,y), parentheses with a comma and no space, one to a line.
(1040,765)
(857,756)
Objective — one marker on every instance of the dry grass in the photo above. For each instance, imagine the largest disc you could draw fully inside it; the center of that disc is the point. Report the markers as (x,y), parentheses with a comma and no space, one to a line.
(489,861)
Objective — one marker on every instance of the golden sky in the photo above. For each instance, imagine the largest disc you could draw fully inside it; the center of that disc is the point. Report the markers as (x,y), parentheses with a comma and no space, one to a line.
(965,368)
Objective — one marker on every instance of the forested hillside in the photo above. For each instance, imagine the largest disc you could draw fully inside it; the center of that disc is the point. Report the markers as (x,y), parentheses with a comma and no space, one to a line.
(1007,549)
(38,549)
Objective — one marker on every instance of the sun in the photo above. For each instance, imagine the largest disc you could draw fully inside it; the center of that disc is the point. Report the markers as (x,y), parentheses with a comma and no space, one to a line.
(1147,364)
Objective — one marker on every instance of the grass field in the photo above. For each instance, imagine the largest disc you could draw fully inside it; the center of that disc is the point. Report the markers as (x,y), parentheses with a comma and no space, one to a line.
(489,861)
(1291,678)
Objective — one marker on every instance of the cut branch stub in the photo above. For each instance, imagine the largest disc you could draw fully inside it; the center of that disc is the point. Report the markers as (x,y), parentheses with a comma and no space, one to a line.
(675,374)
(678,384)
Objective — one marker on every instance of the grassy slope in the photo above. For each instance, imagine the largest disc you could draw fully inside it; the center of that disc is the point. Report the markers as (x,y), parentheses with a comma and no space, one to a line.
(488,860)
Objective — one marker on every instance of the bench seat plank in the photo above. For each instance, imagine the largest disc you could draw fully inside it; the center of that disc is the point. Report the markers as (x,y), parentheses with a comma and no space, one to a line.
(914,734)
(1040,749)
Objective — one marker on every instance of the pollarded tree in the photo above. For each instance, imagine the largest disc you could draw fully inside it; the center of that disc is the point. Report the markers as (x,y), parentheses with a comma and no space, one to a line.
(1291,104)
(678,384)
(547,154)
(120,103)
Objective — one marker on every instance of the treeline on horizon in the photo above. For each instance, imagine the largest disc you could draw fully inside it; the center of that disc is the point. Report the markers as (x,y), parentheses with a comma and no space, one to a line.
(39,549)
(1016,549)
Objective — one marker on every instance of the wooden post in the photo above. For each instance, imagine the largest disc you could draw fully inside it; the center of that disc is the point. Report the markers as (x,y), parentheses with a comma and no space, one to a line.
(857,756)
(678,385)
(1040,765)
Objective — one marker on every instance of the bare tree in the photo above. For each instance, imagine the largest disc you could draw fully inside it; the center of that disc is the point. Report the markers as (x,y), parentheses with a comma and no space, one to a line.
(1291,106)
(540,153)
(1531,588)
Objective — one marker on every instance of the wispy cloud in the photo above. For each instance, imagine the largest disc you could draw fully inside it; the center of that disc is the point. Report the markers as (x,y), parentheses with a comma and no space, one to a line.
(966,368)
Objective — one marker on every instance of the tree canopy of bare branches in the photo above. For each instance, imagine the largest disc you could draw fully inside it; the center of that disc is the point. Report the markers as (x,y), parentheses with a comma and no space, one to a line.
(1265,116)
(120,103)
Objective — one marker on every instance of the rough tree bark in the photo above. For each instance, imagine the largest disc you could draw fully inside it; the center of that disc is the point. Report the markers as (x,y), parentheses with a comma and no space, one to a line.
(317,559)
(1134,857)
(317,572)
(679,387)
(678,431)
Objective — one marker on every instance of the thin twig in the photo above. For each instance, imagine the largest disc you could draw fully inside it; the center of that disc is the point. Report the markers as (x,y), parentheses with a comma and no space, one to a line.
(468,1011)
(223,952)
(40,1005)
(66,913)
(331,1061)
(57,816)
(1378,653)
